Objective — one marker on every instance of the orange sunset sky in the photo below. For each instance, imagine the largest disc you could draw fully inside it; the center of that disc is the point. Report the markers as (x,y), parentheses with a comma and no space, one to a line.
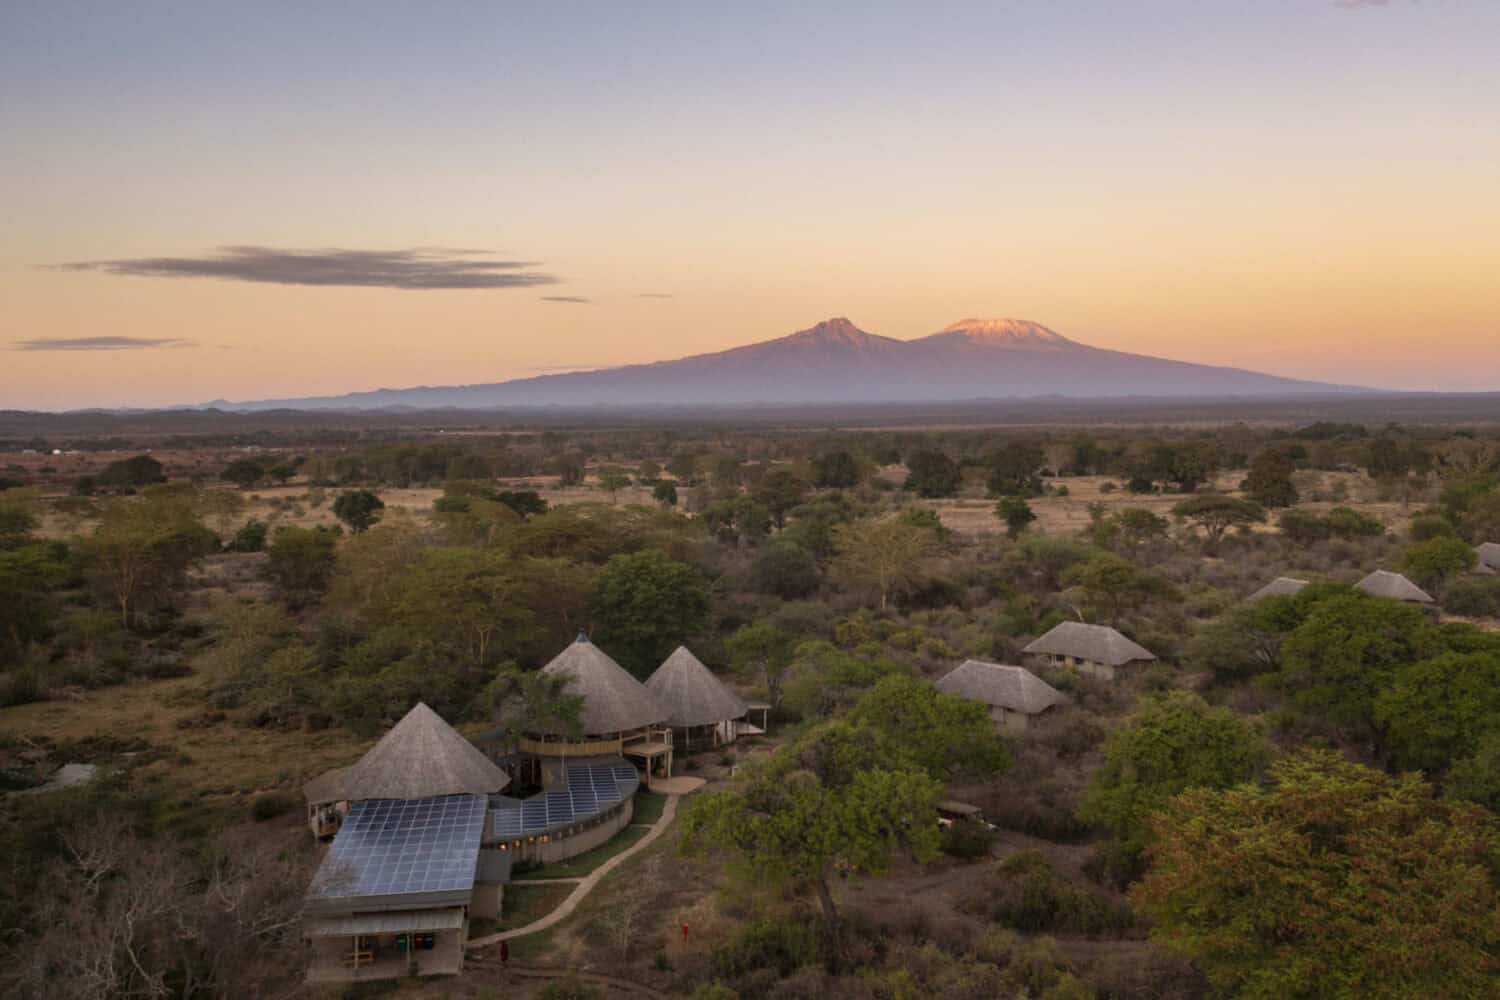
(440,194)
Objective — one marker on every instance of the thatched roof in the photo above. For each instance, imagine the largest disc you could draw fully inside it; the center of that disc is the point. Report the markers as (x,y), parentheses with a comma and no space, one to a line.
(613,701)
(1489,556)
(421,757)
(1383,583)
(1282,585)
(1013,688)
(690,692)
(1097,643)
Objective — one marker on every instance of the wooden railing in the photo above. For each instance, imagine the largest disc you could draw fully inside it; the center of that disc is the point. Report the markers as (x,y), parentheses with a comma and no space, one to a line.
(569,748)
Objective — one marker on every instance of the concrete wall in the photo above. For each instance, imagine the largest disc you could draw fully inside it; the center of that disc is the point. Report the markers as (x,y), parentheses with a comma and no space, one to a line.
(487,900)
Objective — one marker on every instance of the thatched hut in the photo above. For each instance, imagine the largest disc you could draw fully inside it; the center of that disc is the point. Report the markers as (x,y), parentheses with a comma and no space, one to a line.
(1014,695)
(421,757)
(1393,586)
(1097,650)
(1489,557)
(406,870)
(702,712)
(1282,586)
(619,717)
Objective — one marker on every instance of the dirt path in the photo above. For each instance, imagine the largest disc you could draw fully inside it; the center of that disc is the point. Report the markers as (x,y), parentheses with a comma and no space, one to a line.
(540,972)
(586,886)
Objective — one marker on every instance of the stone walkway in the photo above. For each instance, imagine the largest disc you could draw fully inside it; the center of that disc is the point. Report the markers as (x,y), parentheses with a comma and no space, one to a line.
(585,886)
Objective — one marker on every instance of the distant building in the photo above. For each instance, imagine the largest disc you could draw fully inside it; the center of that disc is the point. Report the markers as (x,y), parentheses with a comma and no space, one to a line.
(1283,586)
(1097,650)
(701,710)
(1393,586)
(1014,694)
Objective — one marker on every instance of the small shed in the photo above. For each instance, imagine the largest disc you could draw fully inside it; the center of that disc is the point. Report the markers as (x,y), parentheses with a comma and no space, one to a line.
(1097,650)
(1014,695)
(1282,586)
(1393,586)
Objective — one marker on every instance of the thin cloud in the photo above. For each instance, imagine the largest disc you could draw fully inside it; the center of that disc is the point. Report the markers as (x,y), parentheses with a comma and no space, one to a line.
(99,343)
(565,298)
(416,268)
(655,295)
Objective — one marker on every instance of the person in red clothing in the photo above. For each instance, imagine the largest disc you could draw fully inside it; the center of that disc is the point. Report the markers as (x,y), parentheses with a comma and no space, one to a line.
(684,934)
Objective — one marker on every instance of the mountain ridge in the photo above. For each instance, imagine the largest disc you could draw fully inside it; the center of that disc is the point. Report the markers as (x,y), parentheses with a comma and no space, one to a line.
(835,361)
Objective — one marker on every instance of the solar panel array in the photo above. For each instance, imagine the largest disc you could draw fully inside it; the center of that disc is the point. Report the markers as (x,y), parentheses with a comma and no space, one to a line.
(390,847)
(592,789)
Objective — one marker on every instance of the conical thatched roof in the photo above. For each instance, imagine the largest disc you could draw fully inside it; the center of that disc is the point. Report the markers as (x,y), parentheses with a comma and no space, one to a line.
(613,701)
(1014,688)
(690,692)
(421,757)
(1383,583)
(1282,585)
(1098,643)
(1489,556)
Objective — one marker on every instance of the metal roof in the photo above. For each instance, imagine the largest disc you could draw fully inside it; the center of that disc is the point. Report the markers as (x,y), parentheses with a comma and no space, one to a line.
(449,918)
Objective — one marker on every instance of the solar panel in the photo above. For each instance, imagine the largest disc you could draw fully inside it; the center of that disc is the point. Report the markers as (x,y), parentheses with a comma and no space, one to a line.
(389,847)
(591,790)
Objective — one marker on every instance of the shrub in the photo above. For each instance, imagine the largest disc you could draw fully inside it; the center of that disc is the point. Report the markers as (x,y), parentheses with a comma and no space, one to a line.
(569,989)
(967,839)
(1032,898)
(785,943)
(270,805)
(1473,596)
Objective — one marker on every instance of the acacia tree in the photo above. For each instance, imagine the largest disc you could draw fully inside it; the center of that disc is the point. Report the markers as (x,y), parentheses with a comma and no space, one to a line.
(1438,710)
(885,556)
(359,509)
(1270,480)
(767,651)
(1016,513)
(1216,514)
(932,474)
(1337,881)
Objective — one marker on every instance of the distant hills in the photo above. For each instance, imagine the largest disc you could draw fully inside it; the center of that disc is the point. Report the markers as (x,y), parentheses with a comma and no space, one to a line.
(836,362)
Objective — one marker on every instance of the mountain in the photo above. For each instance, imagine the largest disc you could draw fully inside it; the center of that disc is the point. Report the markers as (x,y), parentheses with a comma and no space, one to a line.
(836,362)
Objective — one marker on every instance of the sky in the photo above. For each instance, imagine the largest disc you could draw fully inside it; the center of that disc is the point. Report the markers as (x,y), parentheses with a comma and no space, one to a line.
(209,200)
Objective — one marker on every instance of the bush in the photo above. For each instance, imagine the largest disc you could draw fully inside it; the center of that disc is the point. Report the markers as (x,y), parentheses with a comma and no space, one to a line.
(1032,898)
(270,805)
(569,989)
(784,943)
(1474,596)
(967,838)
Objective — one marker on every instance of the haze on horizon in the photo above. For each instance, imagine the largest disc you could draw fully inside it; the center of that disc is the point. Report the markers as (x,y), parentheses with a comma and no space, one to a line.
(244,202)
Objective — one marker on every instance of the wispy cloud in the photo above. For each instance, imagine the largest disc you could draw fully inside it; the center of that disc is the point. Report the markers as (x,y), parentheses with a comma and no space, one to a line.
(655,295)
(565,298)
(416,268)
(99,343)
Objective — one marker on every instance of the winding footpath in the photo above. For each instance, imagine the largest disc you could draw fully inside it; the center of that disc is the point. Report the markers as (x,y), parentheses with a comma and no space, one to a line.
(585,885)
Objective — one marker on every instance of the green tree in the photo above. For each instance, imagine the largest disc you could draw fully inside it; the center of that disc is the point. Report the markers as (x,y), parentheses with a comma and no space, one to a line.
(529,701)
(784,569)
(1476,778)
(141,470)
(665,493)
(840,797)
(948,736)
(1433,562)
(30,577)
(612,480)
(884,556)
(299,563)
(1216,514)
(932,474)
(139,554)
(1172,743)
(778,491)
(1335,883)
(1270,480)
(359,509)
(1014,470)
(1346,651)
(1111,584)
(1016,513)
(244,472)
(644,604)
(837,470)
(1436,711)
(766,651)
